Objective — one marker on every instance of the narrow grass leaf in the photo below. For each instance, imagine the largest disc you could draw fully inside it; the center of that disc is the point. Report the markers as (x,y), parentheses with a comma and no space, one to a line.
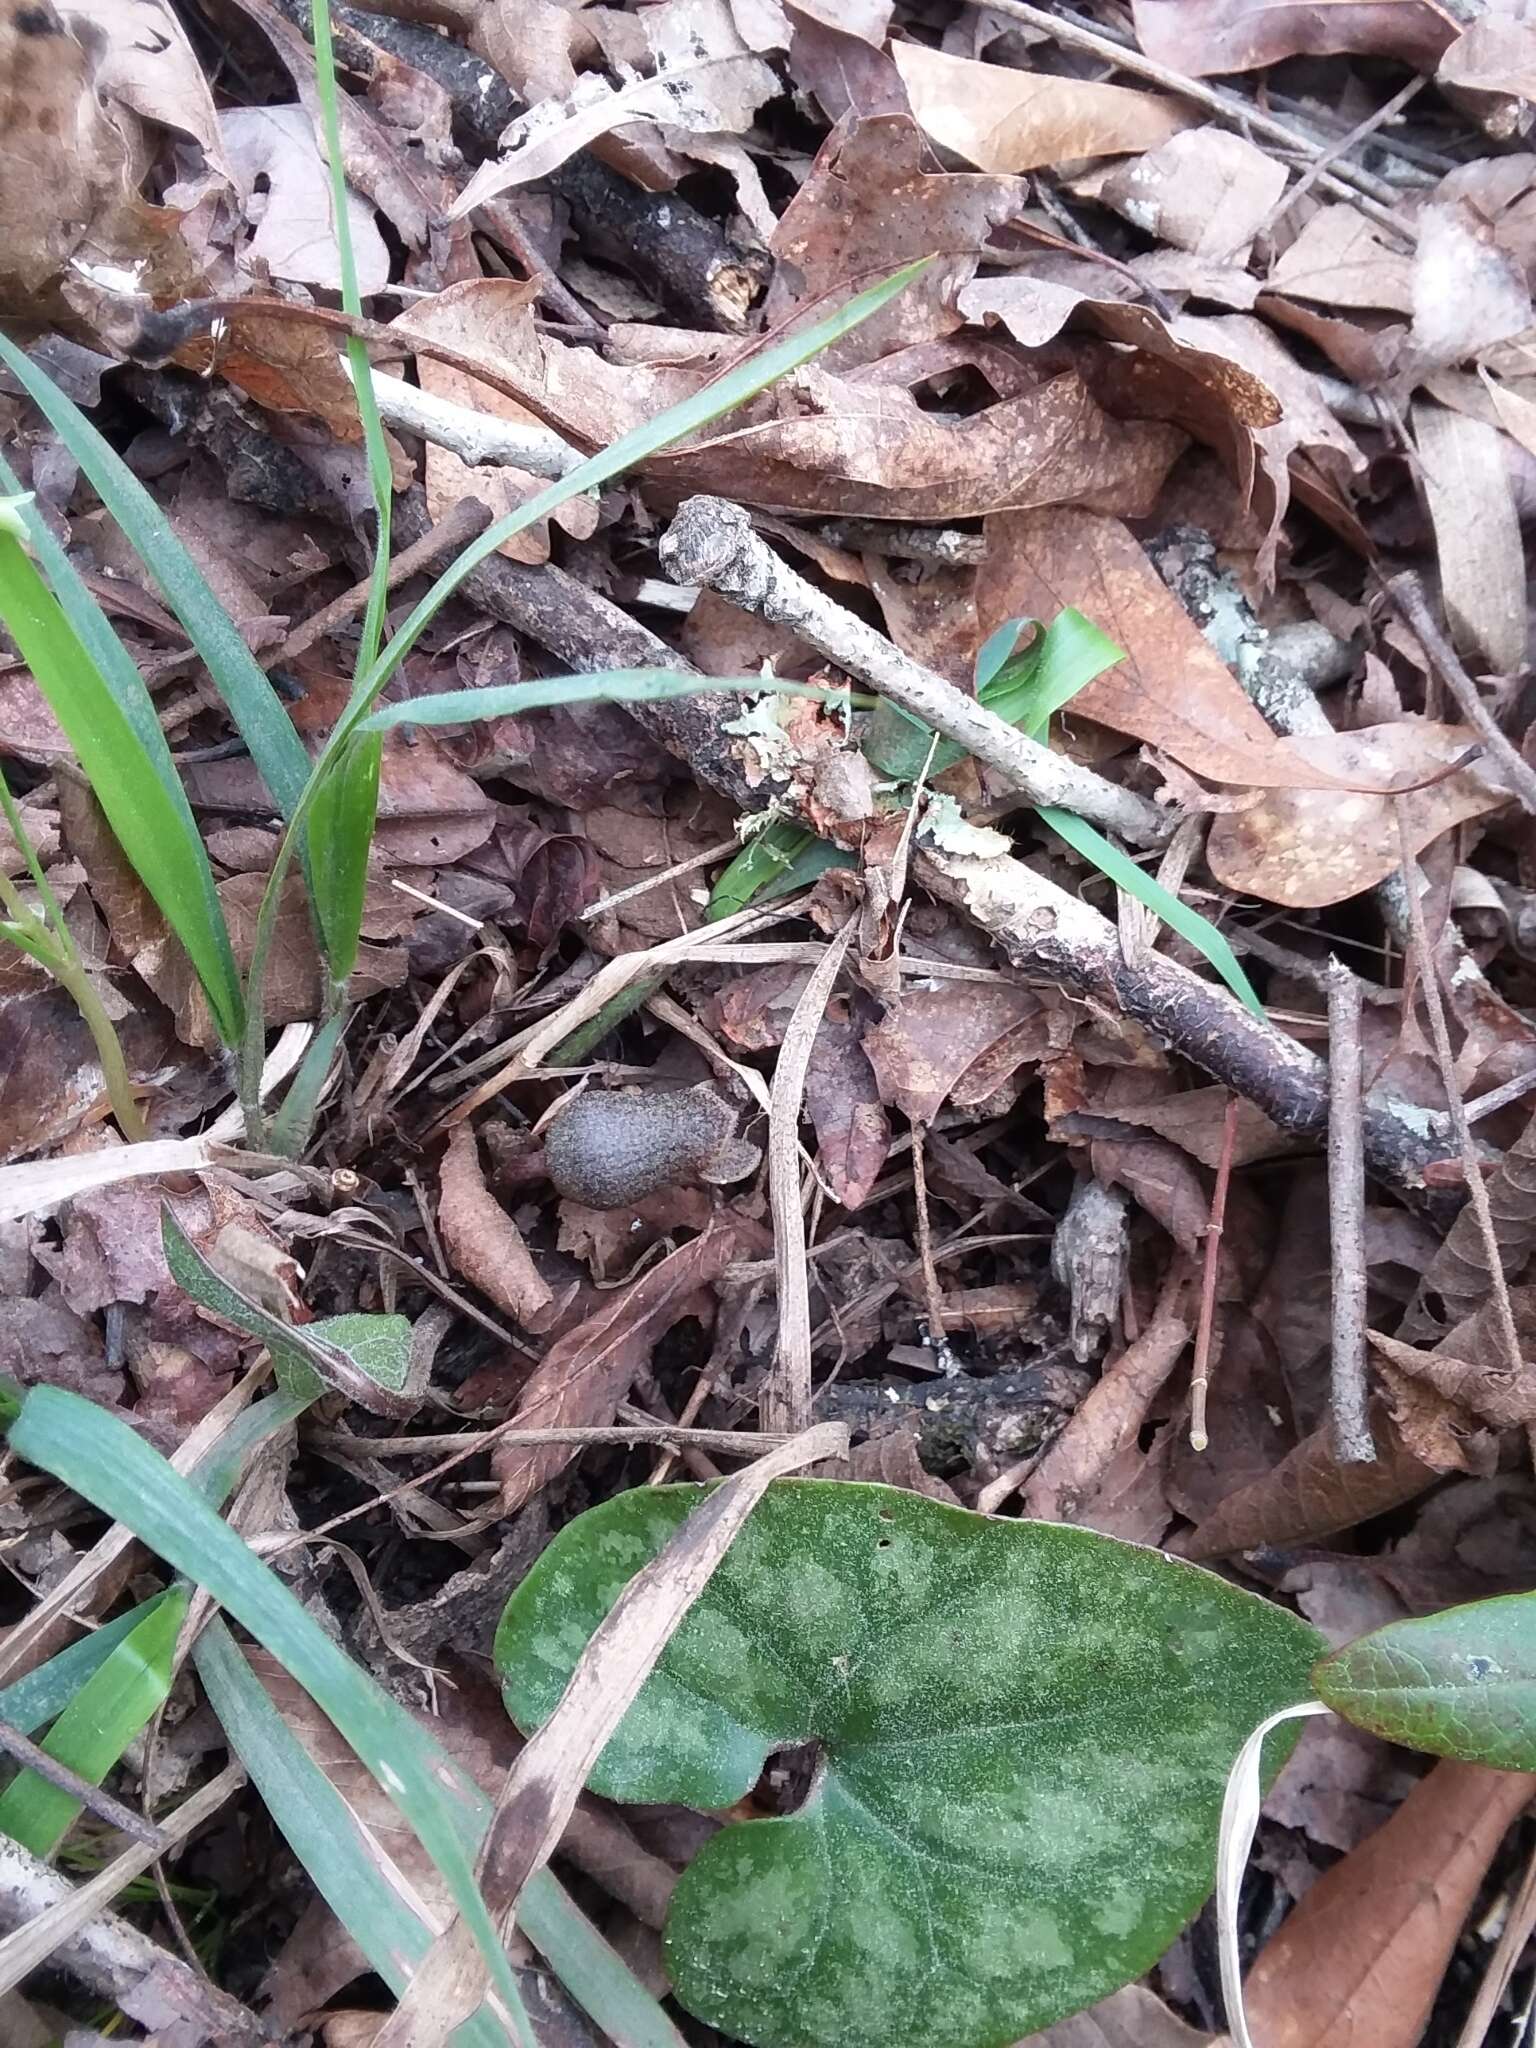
(294,1121)
(344,1864)
(1124,873)
(108,1711)
(98,1455)
(341,825)
(43,1694)
(253,704)
(154,827)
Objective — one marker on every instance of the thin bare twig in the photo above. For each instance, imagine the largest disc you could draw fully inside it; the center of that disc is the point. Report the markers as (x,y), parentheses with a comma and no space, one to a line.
(102,1804)
(1516,1932)
(1407,595)
(1471,1166)
(1200,1372)
(1352,1441)
(785,1402)
(933,1292)
(460,524)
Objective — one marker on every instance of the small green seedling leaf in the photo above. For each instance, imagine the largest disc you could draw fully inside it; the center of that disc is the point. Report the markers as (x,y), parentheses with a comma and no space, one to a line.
(111,1707)
(366,1357)
(144,804)
(776,861)
(1023,1732)
(43,1694)
(1459,1684)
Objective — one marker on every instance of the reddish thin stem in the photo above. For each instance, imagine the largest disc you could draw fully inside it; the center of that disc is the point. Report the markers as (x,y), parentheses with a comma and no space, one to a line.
(1200,1377)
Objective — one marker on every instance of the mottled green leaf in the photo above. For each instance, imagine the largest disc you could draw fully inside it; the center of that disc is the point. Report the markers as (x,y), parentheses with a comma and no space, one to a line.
(1023,1734)
(1459,1684)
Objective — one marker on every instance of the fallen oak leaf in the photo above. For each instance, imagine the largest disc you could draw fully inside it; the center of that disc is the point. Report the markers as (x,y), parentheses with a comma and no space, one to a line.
(1004,119)
(1309,847)
(481,1240)
(1204,38)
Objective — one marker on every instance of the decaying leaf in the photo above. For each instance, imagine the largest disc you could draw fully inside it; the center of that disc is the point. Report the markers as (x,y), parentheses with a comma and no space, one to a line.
(1361,1958)
(1205,190)
(1457,1281)
(145,63)
(285,189)
(1310,1495)
(482,1240)
(955,1043)
(1006,120)
(587,1371)
(1308,847)
(1206,37)
(1471,503)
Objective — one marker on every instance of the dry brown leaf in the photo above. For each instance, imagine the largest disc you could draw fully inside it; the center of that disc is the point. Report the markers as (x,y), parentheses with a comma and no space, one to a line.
(585,1373)
(1309,1495)
(1491,70)
(1478,1384)
(1478,544)
(145,63)
(842,1100)
(1205,190)
(701,95)
(285,188)
(869,20)
(1305,848)
(482,1242)
(68,195)
(1132,2018)
(954,1043)
(490,319)
(1173,689)
(1109,1420)
(1205,37)
(871,204)
(890,1459)
(1196,1121)
(1359,1961)
(1342,259)
(1003,119)
(1458,1274)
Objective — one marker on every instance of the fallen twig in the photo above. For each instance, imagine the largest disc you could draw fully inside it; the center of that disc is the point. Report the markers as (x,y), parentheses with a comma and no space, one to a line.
(1407,595)
(475,437)
(1200,1371)
(1352,1440)
(712,542)
(1471,1166)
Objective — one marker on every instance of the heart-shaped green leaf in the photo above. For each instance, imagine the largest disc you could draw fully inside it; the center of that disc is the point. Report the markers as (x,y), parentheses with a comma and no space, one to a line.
(1023,1732)
(1459,1684)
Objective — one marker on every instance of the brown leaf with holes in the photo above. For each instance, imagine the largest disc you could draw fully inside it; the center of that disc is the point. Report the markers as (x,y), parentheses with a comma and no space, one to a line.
(1458,1274)
(586,1373)
(1004,119)
(1310,1495)
(1305,848)
(1481,1384)
(954,1043)
(1360,1960)
(842,1100)
(482,1242)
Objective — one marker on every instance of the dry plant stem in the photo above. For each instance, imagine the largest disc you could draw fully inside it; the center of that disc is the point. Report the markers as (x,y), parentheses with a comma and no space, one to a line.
(711,542)
(28,1753)
(545,1782)
(734,1442)
(1333,151)
(933,1292)
(475,437)
(1362,191)
(1477,1192)
(52,1920)
(1352,1441)
(785,1402)
(1408,597)
(1200,1371)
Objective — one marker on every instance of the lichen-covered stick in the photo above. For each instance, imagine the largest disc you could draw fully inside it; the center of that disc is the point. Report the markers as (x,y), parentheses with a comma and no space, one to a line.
(711,541)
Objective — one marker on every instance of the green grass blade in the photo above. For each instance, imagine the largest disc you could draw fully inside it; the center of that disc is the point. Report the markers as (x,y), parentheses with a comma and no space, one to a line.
(712,403)
(106,1463)
(112,1707)
(340,836)
(154,827)
(295,1120)
(324,1834)
(253,704)
(44,1693)
(1124,873)
(1032,687)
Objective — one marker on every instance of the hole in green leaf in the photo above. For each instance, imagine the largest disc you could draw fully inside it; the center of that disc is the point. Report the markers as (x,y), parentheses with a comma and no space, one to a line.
(789,1778)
